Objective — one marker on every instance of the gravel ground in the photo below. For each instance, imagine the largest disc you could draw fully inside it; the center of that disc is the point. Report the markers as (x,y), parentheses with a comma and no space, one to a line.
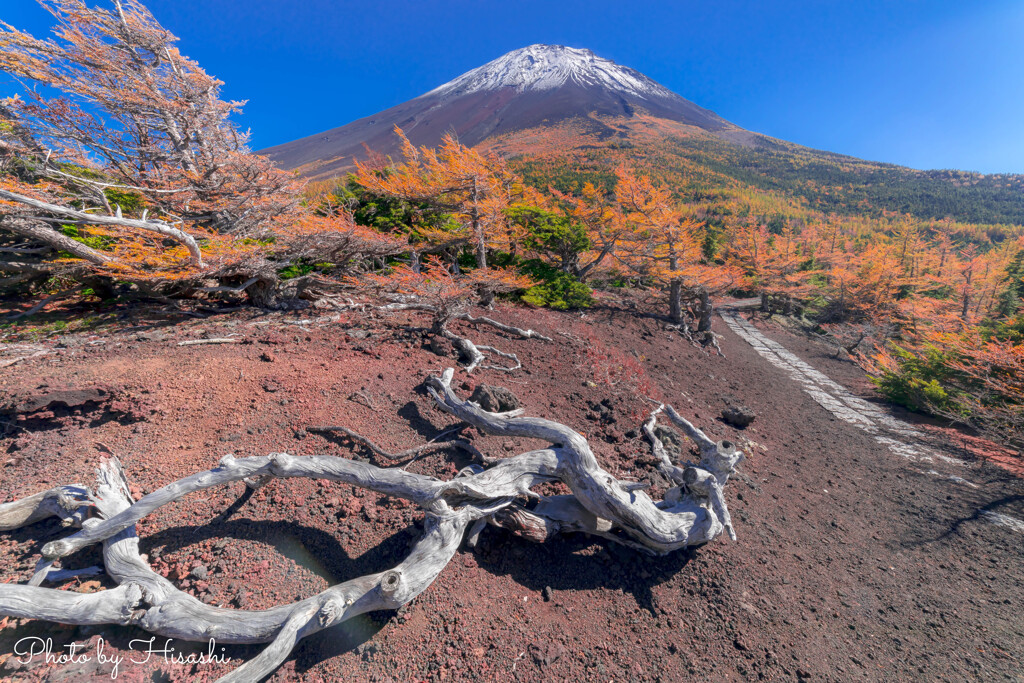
(853,562)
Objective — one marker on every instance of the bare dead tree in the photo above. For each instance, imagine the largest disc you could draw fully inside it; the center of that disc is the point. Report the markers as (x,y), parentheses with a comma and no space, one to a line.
(433,289)
(692,512)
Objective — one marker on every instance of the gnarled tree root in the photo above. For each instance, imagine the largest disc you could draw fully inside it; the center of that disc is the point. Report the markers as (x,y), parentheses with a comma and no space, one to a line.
(472,353)
(693,512)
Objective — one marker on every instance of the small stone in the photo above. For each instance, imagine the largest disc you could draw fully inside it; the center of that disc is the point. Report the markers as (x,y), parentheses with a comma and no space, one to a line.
(738,415)
(548,594)
(495,399)
(13,664)
(200,572)
(546,653)
(367,650)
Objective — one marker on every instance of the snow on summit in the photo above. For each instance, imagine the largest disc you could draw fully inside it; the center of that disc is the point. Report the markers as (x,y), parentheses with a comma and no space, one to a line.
(546,67)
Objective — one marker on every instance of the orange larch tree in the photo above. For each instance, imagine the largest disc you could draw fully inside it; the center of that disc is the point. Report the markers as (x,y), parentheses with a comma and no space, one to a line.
(779,267)
(475,189)
(603,222)
(663,244)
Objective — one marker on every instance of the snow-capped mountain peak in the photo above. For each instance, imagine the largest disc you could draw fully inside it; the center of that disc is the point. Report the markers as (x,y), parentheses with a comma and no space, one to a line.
(539,85)
(547,67)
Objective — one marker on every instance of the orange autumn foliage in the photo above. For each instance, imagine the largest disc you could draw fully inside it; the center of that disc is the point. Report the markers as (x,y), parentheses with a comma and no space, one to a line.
(663,244)
(475,189)
(138,154)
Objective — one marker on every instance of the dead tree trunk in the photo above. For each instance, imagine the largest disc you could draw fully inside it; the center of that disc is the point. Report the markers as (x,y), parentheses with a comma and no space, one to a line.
(263,292)
(706,309)
(478,230)
(675,301)
(693,512)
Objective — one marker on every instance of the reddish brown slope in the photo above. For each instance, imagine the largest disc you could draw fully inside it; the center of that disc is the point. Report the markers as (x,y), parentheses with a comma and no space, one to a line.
(850,564)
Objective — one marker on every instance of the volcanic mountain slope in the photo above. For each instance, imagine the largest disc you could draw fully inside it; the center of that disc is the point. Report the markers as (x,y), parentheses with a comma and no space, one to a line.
(565,114)
(533,86)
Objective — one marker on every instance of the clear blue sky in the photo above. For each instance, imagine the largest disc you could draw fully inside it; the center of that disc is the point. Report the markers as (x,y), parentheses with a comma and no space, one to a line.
(927,84)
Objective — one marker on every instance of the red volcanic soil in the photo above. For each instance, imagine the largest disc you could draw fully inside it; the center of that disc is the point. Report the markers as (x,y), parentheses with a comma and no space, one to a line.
(852,562)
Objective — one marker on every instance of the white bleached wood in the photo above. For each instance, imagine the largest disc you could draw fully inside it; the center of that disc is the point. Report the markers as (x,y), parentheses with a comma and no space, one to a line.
(678,521)
(217,340)
(692,513)
(159,227)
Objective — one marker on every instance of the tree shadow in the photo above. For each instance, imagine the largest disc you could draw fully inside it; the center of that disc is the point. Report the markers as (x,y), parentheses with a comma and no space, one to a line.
(318,552)
(421,424)
(986,513)
(579,562)
(35,536)
(310,547)
(351,635)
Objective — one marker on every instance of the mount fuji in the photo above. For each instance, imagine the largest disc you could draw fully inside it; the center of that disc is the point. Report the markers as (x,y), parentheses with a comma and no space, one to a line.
(539,85)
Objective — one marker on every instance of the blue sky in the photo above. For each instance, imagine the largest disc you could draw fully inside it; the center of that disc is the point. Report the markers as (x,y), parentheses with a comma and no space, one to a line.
(923,83)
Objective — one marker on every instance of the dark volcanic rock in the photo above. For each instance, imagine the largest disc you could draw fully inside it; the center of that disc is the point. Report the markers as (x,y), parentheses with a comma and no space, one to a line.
(738,415)
(67,397)
(495,399)
(102,402)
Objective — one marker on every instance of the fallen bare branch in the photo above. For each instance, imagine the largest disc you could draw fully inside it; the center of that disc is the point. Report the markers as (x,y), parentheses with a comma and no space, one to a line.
(159,227)
(692,513)
(11,361)
(215,340)
(42,304)
(519,332)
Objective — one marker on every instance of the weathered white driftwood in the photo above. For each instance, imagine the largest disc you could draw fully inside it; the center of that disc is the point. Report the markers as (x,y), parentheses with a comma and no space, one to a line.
(693,512)
(215,340)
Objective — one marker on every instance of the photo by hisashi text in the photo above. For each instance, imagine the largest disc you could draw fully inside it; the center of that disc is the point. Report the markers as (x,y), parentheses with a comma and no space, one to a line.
(140,651)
